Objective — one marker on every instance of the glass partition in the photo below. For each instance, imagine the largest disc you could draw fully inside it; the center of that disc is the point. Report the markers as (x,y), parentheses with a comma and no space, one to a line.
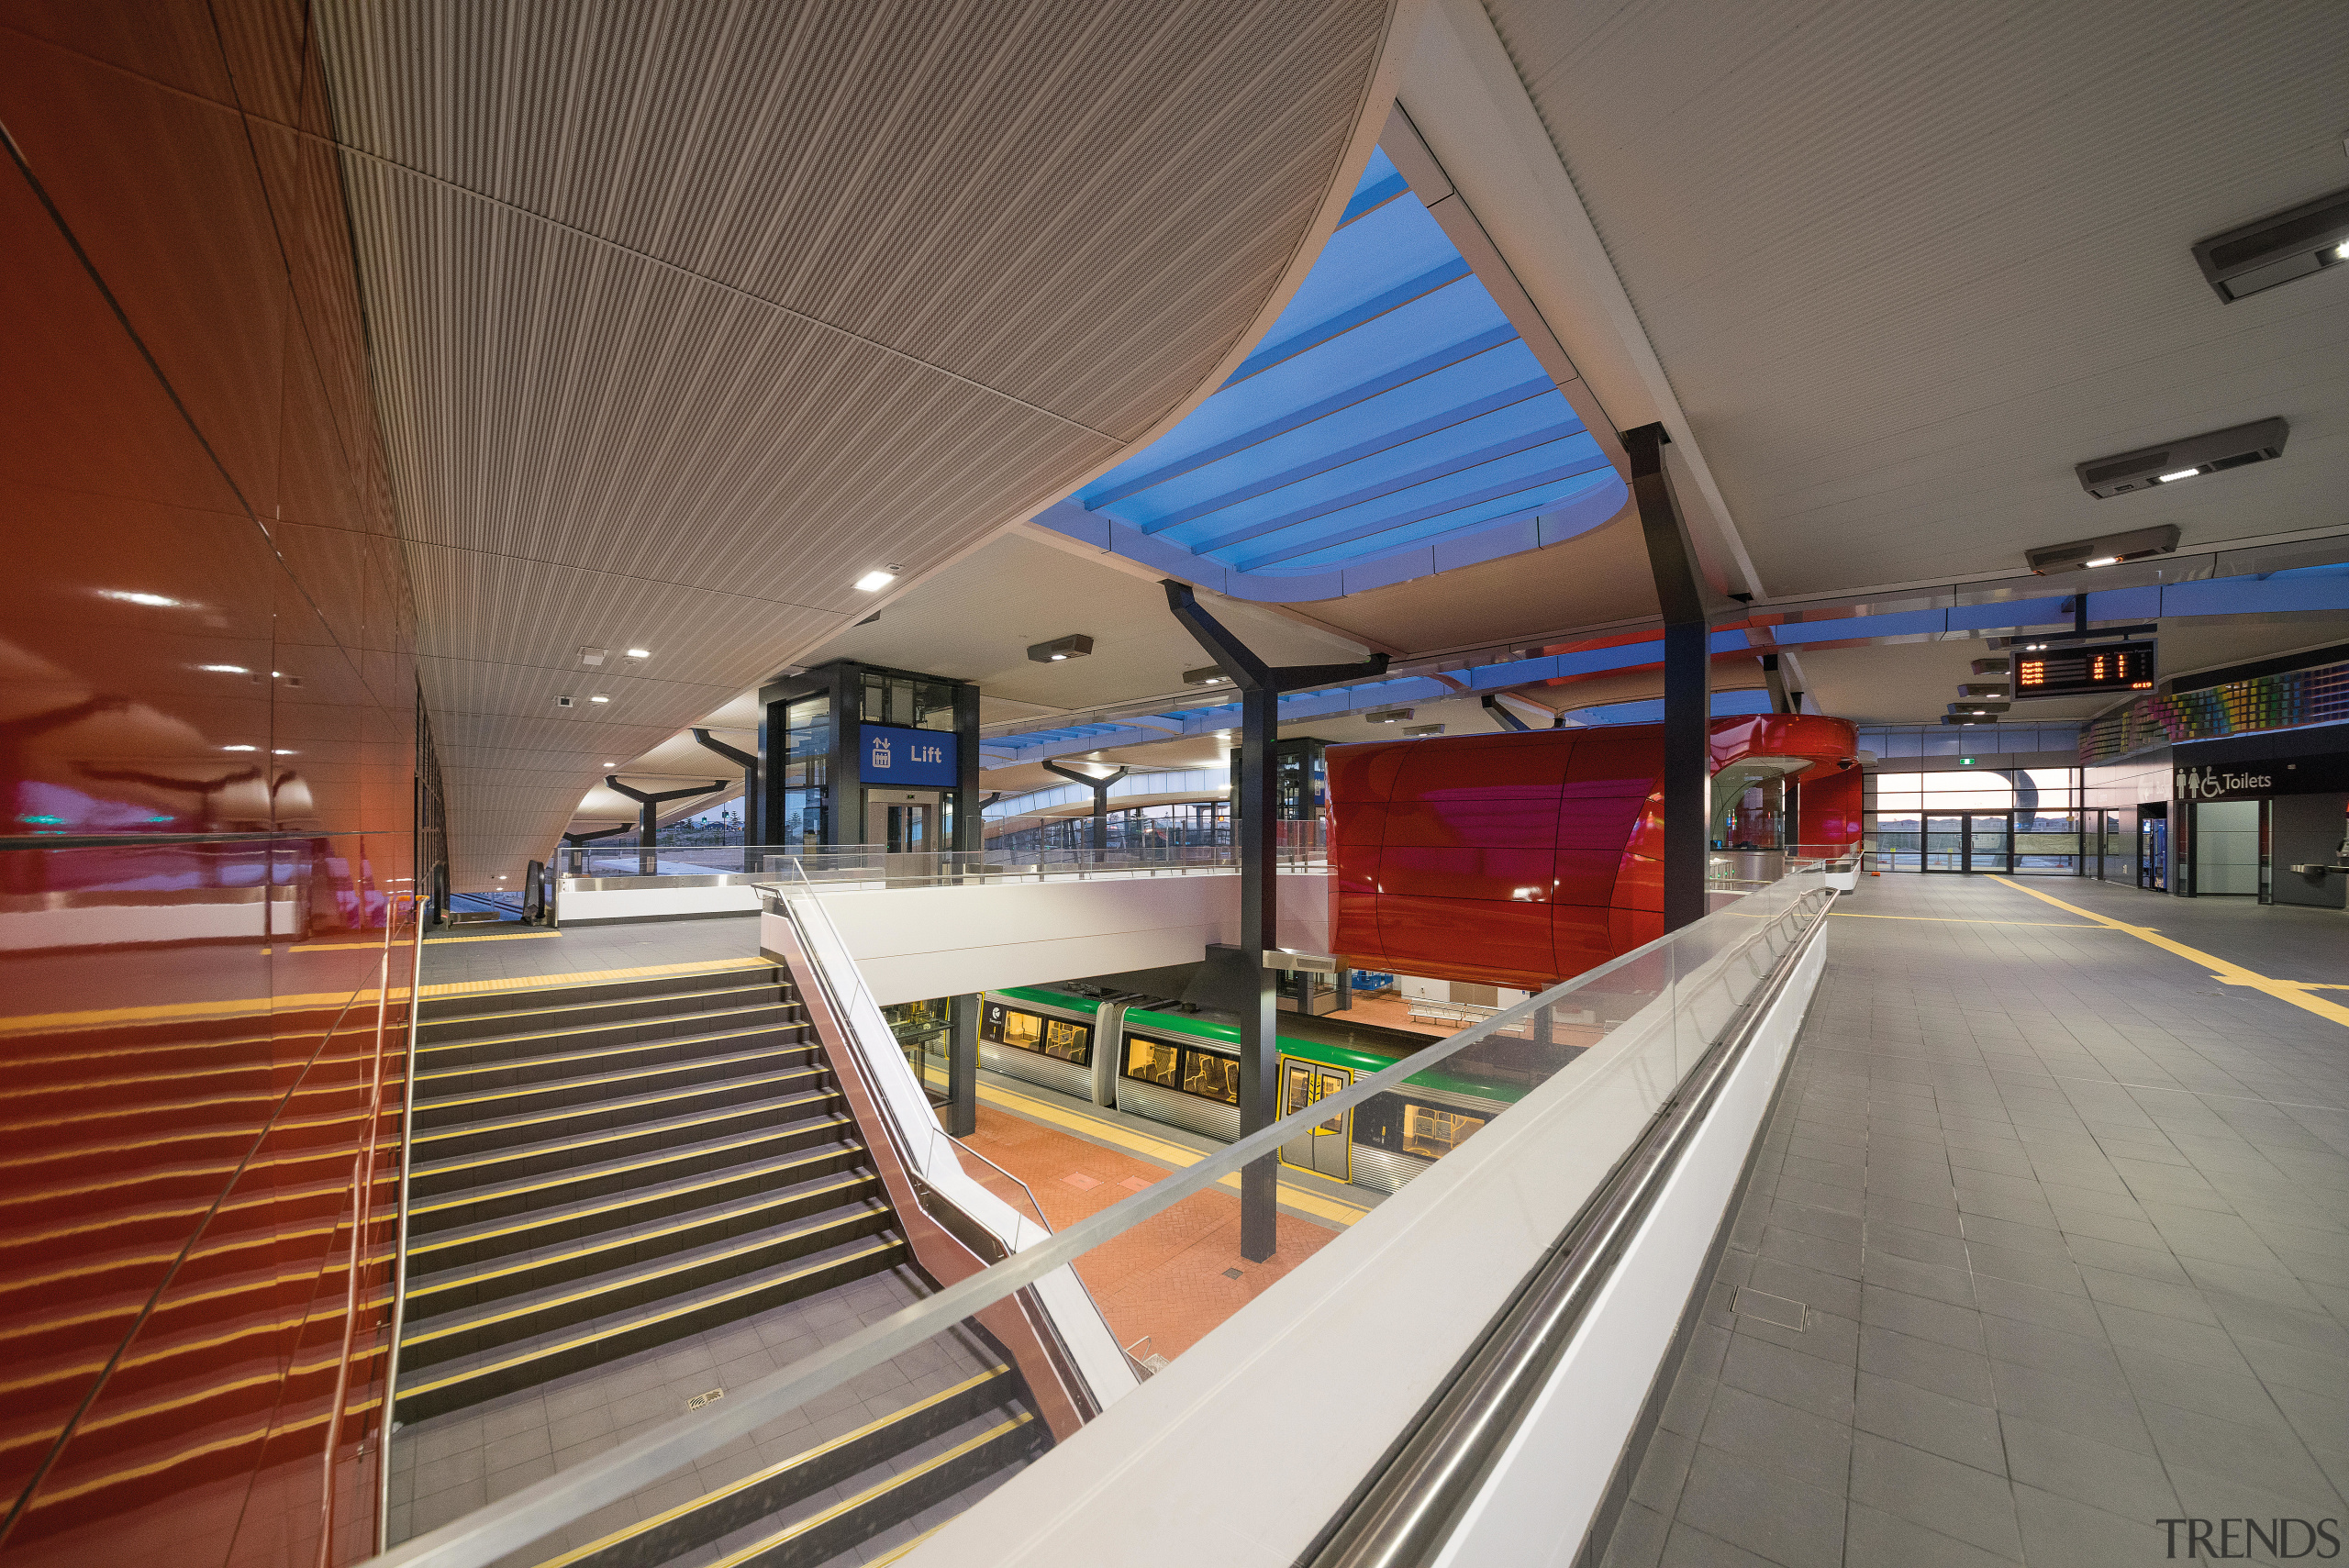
(954,1395)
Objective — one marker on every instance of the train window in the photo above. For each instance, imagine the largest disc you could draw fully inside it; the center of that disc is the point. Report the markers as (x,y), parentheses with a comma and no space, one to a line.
(1211,1077)
(1021,1030)
(1433,1131)
(1153,1061)
(1069,1041)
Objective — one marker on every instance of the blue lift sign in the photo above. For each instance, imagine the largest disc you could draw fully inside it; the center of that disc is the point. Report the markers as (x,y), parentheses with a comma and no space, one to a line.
(921,757)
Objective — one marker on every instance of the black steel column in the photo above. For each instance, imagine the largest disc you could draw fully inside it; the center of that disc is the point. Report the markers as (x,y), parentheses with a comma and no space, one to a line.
(1256,802)
(753,825)
(648,853)
(1687,682)
(970,826)
(962,1065)
(1099,784)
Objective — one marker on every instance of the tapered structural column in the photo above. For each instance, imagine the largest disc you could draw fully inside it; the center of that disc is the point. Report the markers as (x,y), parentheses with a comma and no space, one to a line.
(1687,681)
(1100,788)
(754,829)
(1254,801)
(647,808)
(962,1066)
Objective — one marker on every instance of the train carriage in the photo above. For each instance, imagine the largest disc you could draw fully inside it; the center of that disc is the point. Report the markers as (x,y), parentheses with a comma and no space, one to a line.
(1184,1071)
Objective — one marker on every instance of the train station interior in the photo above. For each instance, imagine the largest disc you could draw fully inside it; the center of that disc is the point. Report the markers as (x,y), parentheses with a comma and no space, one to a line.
(1326,785)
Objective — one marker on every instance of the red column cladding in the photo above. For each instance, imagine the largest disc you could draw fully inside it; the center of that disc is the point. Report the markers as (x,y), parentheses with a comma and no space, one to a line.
(1520,860)
(208,745)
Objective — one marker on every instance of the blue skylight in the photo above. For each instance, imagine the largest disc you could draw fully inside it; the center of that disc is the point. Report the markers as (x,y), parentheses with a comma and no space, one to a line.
(1390,424)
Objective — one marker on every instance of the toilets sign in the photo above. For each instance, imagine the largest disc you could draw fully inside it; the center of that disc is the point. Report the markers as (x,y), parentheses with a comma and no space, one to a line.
(2313,773)
(887,754)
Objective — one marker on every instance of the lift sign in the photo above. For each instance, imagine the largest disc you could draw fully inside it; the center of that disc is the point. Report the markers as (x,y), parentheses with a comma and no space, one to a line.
(887,754)
(2074,672)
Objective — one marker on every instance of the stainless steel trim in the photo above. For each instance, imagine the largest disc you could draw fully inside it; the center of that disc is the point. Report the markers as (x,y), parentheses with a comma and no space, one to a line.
(672,879)
(1412,1508)
(399,1252)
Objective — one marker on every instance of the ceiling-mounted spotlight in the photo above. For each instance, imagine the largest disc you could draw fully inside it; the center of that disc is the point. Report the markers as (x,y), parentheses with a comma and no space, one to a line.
(1075,646)
(640,653)
(2105,550)
(1978,705)
(1983,689)
(1209,676)
(1386,716)
(1990,666)
(2276,248)
(875,581)
(1423,730)
(2189,457)
(1970,718)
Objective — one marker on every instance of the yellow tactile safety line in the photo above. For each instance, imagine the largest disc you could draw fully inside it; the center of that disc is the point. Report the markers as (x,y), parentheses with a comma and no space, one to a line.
(1174,1154)
(496,937)
(591,976)
(2293,991)
(1953,920)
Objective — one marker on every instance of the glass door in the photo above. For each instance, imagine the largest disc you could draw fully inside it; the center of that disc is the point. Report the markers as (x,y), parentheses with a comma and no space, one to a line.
(1989,842)
(1945,842)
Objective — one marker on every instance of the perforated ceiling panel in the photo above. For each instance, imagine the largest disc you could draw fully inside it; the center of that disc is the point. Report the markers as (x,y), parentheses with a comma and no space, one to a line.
(682,319)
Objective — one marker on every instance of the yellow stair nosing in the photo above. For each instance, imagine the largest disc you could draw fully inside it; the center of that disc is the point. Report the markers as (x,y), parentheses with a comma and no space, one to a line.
(589,1053)
(681,1510)
(588,1140)
(543,1351)
(557,1113)
(444,1101)
(752,1244)
(878,1489)
(536,1184)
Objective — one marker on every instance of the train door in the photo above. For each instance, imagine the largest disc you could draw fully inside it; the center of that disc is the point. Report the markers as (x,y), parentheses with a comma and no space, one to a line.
(1328,1149)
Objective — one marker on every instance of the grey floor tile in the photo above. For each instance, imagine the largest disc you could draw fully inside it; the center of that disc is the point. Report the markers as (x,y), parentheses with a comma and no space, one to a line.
(1875,1539)
(1927,1363)
(1943,1495)
(1763,1512)
(2105,1412)
(1807,1382)
(1922,1318)
(1794,1443)
(1955,1429)
(2118,1480)
(2058,1529)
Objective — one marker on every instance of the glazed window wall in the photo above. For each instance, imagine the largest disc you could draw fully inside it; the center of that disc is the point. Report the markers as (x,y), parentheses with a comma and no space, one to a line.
(807,748)
(2016,821)
(907,702)
(1135,828)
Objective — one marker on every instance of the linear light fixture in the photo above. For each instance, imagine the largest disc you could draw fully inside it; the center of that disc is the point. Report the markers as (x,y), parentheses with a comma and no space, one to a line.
(1077,645)
(2189,457)
(1209,676)
(2104,549)
(875,581)
(2276,248)
(1386,716)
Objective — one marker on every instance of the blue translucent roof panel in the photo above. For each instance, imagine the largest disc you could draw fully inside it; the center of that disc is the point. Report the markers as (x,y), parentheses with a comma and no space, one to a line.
(1391,406)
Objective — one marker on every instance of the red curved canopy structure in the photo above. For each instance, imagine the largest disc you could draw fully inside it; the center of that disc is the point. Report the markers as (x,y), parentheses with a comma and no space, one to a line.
(1522,860)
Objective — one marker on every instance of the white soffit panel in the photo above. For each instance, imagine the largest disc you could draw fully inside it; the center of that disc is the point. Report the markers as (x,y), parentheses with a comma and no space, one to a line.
(1906,266)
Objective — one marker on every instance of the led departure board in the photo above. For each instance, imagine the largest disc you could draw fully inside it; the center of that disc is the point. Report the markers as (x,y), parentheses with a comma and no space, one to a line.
(2074,672)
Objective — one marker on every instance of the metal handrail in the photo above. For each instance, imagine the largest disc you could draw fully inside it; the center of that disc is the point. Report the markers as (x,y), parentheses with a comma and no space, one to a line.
(1417,1499)
(488,1534)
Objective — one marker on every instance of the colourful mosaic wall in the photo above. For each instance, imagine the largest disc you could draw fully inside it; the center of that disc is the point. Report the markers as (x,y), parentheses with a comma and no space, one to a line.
(2267,702)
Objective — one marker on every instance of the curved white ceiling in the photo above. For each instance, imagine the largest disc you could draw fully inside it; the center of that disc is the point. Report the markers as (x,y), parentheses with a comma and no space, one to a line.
(682,319)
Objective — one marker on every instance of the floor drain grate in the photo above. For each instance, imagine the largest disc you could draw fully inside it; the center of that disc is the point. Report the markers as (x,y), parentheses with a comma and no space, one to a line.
(708,1396)
(1231,1274)
(1777,1310)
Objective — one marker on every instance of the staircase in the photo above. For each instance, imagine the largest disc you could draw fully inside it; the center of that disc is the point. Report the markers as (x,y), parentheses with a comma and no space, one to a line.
(598,1170)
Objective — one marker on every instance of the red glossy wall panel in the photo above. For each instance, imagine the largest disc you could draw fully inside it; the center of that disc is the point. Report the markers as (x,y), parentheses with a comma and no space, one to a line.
(208,752)
(1520,860)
